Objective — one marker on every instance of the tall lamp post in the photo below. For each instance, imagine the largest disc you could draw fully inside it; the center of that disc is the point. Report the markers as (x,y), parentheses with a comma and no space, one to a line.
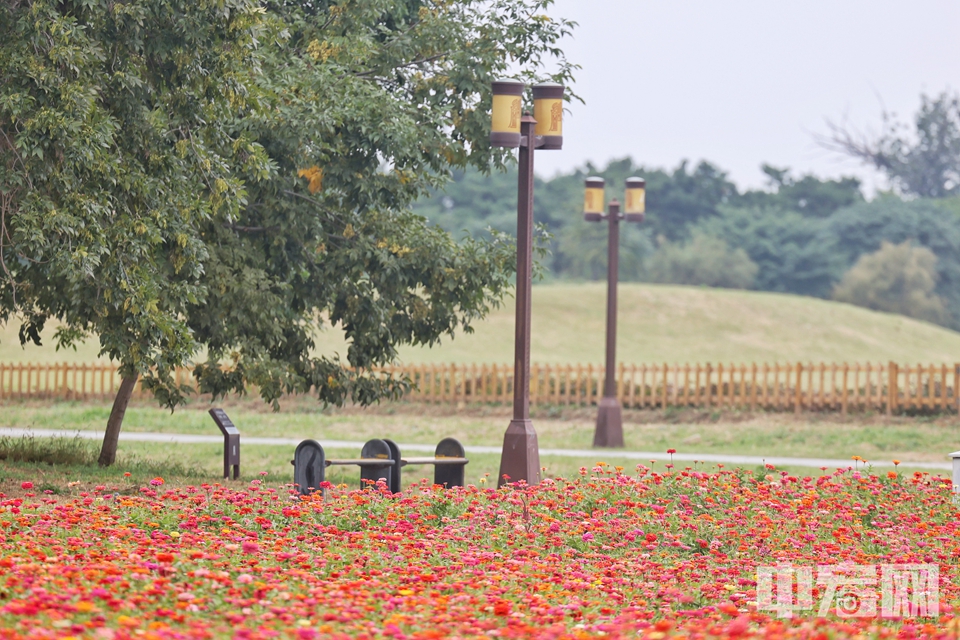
(609,432)
(520,459)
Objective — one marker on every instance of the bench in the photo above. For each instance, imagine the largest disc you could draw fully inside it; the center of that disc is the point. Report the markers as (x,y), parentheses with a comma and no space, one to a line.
(379,459)
(310,464)
(449,462)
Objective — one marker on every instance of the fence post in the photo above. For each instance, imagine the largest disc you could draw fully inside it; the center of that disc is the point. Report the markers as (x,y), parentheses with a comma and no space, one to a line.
(707,388)
(956,387)
(881,393)
(588,386)
(764,398)
(743,387)
(943,388)
(676,384)
(843,401)
(777,387)
(798,392)
(720,384)
(834,396)
(508,382)
(665,397)
(620,373)
(892,392)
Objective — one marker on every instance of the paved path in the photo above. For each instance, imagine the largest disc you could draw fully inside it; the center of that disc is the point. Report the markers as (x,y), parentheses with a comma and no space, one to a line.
(592,454)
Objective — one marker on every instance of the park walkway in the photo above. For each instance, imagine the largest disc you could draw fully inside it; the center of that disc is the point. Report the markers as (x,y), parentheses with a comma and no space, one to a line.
(592,454)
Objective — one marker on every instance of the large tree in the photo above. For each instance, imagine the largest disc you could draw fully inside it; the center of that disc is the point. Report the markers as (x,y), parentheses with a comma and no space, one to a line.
(924,162)
(230,175)
(114,148)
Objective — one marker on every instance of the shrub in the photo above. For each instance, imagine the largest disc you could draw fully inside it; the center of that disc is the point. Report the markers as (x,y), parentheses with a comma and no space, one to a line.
(897,278)
(703,260)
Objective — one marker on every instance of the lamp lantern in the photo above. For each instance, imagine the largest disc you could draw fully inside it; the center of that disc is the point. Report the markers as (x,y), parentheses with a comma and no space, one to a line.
(593,199)
(512,128)
(635,204)
(506,113)
(548,112)
(609,432)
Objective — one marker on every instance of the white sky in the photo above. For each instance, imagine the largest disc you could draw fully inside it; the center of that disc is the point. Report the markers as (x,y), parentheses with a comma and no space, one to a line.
(741,82)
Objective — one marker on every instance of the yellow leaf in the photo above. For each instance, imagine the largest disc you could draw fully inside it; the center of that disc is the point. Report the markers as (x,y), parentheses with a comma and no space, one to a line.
(322,51)
(315,175)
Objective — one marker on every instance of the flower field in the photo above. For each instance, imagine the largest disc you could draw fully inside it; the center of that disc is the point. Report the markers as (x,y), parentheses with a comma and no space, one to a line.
(607,554)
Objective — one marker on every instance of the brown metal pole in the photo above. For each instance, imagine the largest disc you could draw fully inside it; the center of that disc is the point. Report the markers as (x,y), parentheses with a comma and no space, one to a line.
(609,431)
(520,459)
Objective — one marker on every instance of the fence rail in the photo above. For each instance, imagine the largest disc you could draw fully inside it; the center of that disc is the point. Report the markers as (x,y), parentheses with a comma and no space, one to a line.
(795,387)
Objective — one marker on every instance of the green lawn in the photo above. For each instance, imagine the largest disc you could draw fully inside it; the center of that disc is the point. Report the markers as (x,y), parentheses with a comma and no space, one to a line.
(657,323)
(870,437)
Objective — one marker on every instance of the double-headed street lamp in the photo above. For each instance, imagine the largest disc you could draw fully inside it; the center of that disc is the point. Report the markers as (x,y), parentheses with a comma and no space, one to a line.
(609,432)
(520,459)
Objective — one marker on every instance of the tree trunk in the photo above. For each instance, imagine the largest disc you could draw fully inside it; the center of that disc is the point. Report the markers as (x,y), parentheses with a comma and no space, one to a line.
(108,452)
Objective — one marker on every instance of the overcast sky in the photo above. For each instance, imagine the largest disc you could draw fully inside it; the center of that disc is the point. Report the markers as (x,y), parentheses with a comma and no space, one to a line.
(741,82)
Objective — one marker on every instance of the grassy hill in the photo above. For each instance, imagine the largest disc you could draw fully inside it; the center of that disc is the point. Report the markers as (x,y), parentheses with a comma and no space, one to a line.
(11,351)
(657,323)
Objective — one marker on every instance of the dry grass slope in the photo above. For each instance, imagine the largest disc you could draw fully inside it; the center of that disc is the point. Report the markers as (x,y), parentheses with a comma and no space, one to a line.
(657,323)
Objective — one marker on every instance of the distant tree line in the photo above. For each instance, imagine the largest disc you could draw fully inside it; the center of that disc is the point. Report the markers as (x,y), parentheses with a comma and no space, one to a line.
(899,252)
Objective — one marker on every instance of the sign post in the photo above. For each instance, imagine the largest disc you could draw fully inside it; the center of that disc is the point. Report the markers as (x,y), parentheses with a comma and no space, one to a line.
(231,443)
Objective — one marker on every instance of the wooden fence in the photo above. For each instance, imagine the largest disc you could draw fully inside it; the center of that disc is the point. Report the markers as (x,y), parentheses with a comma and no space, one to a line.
(68,381)
(775,387)
(778,387)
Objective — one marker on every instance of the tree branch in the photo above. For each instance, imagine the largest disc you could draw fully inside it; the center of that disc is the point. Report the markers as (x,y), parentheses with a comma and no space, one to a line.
(854,144)
(241,228)
(363,74)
